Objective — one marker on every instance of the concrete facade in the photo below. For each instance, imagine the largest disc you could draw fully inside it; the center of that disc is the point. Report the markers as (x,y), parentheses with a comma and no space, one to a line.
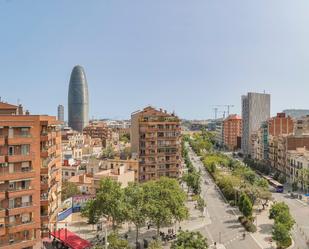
(255,110)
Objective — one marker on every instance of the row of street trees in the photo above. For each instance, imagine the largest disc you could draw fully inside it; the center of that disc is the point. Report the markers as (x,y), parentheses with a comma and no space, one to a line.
(283,225)
(240,185)
(160,202)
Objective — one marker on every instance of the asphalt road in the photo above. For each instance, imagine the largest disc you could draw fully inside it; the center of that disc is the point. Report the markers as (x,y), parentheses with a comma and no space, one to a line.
(224,228)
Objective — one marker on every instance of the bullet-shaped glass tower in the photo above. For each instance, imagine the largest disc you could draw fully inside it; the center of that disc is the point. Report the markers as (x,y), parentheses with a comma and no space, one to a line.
(78,104)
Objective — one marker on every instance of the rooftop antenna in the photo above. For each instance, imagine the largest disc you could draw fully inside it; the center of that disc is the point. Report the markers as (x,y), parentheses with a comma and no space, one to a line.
(18,100)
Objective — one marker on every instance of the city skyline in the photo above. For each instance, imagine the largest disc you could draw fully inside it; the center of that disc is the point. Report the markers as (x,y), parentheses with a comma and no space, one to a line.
(138,53)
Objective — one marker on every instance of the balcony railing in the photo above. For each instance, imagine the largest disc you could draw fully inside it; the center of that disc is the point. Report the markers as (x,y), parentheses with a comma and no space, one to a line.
(5,170)
(22,205)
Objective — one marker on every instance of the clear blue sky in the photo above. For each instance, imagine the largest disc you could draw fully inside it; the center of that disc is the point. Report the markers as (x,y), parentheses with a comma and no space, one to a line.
(182,55)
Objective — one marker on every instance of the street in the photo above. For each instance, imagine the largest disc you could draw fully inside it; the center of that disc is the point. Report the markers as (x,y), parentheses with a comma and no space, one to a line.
(224,228)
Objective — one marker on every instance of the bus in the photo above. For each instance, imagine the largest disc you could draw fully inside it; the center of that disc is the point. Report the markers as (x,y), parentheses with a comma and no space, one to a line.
(277,185)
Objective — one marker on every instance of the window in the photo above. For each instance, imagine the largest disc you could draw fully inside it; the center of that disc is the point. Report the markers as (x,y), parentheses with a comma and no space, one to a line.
(66,173)
(72,174)
(25,149)
(11,150)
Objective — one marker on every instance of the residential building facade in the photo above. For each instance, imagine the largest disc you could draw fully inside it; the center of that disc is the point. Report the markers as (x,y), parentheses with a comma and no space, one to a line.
(232,130)
(156,141)
(30,177)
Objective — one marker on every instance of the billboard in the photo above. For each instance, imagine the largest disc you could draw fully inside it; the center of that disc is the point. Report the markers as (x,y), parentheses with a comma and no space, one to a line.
(79,201)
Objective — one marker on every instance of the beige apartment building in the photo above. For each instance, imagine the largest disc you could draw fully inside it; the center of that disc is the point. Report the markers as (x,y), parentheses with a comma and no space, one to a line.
(30,176)
(156,141)
(298,165)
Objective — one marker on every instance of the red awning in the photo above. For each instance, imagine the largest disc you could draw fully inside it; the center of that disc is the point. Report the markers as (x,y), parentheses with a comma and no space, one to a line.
(71,239)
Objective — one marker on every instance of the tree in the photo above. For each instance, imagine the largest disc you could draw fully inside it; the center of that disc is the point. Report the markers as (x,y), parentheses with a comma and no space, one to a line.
(115,242)
(265,196)
(262,183)
(189,240)
(69,189)
(281,235)
(200,203)
(282,179)
(277,208)
(108,152)
(165,202)
(136,206)
(155,244)
(193,181)
(245,205)
(109,202)
(250,176)
(91,212)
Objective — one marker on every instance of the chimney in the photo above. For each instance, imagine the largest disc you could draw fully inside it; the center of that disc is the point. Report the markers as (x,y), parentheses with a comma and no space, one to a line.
(20,110)
(27,112)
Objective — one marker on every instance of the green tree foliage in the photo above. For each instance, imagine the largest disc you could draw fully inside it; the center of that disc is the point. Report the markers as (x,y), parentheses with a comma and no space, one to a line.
(91,212)
(281,235)
(155,244)
(125,138)
(165,202)
(193,181)
(189,240)
(283,224)
(245,205)
(262,183)
(109,203)
(136,206)
(200,203)
(69,189)
(108,152)
(277,208)
(115,242)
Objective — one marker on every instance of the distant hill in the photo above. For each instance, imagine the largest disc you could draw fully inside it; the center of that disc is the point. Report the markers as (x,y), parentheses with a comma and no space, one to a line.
(296,113)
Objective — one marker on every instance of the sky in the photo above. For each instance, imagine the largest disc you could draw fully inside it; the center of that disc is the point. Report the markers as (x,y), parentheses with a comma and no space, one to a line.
(179,55)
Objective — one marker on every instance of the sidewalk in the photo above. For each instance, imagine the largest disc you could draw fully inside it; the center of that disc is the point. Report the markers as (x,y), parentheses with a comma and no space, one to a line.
(264,229)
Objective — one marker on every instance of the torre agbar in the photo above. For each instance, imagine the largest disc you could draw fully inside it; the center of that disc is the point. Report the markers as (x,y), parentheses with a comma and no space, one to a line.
(78,104)
(30,176)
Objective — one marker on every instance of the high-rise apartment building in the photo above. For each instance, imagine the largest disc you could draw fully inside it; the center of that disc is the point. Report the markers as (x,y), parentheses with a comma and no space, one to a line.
(30,177)
(232,129)
(156,140)
(78,101)
(60,112)
(255,110)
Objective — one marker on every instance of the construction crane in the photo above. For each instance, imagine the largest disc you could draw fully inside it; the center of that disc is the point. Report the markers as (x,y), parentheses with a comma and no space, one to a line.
(227,106)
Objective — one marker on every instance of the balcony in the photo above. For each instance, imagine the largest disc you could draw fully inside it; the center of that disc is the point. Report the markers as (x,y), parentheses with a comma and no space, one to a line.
(45,136)
(17,244)
(21,226)
(20,158)
(20,139)
(18,192)
(2,159)
(26,207)
(22,173)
